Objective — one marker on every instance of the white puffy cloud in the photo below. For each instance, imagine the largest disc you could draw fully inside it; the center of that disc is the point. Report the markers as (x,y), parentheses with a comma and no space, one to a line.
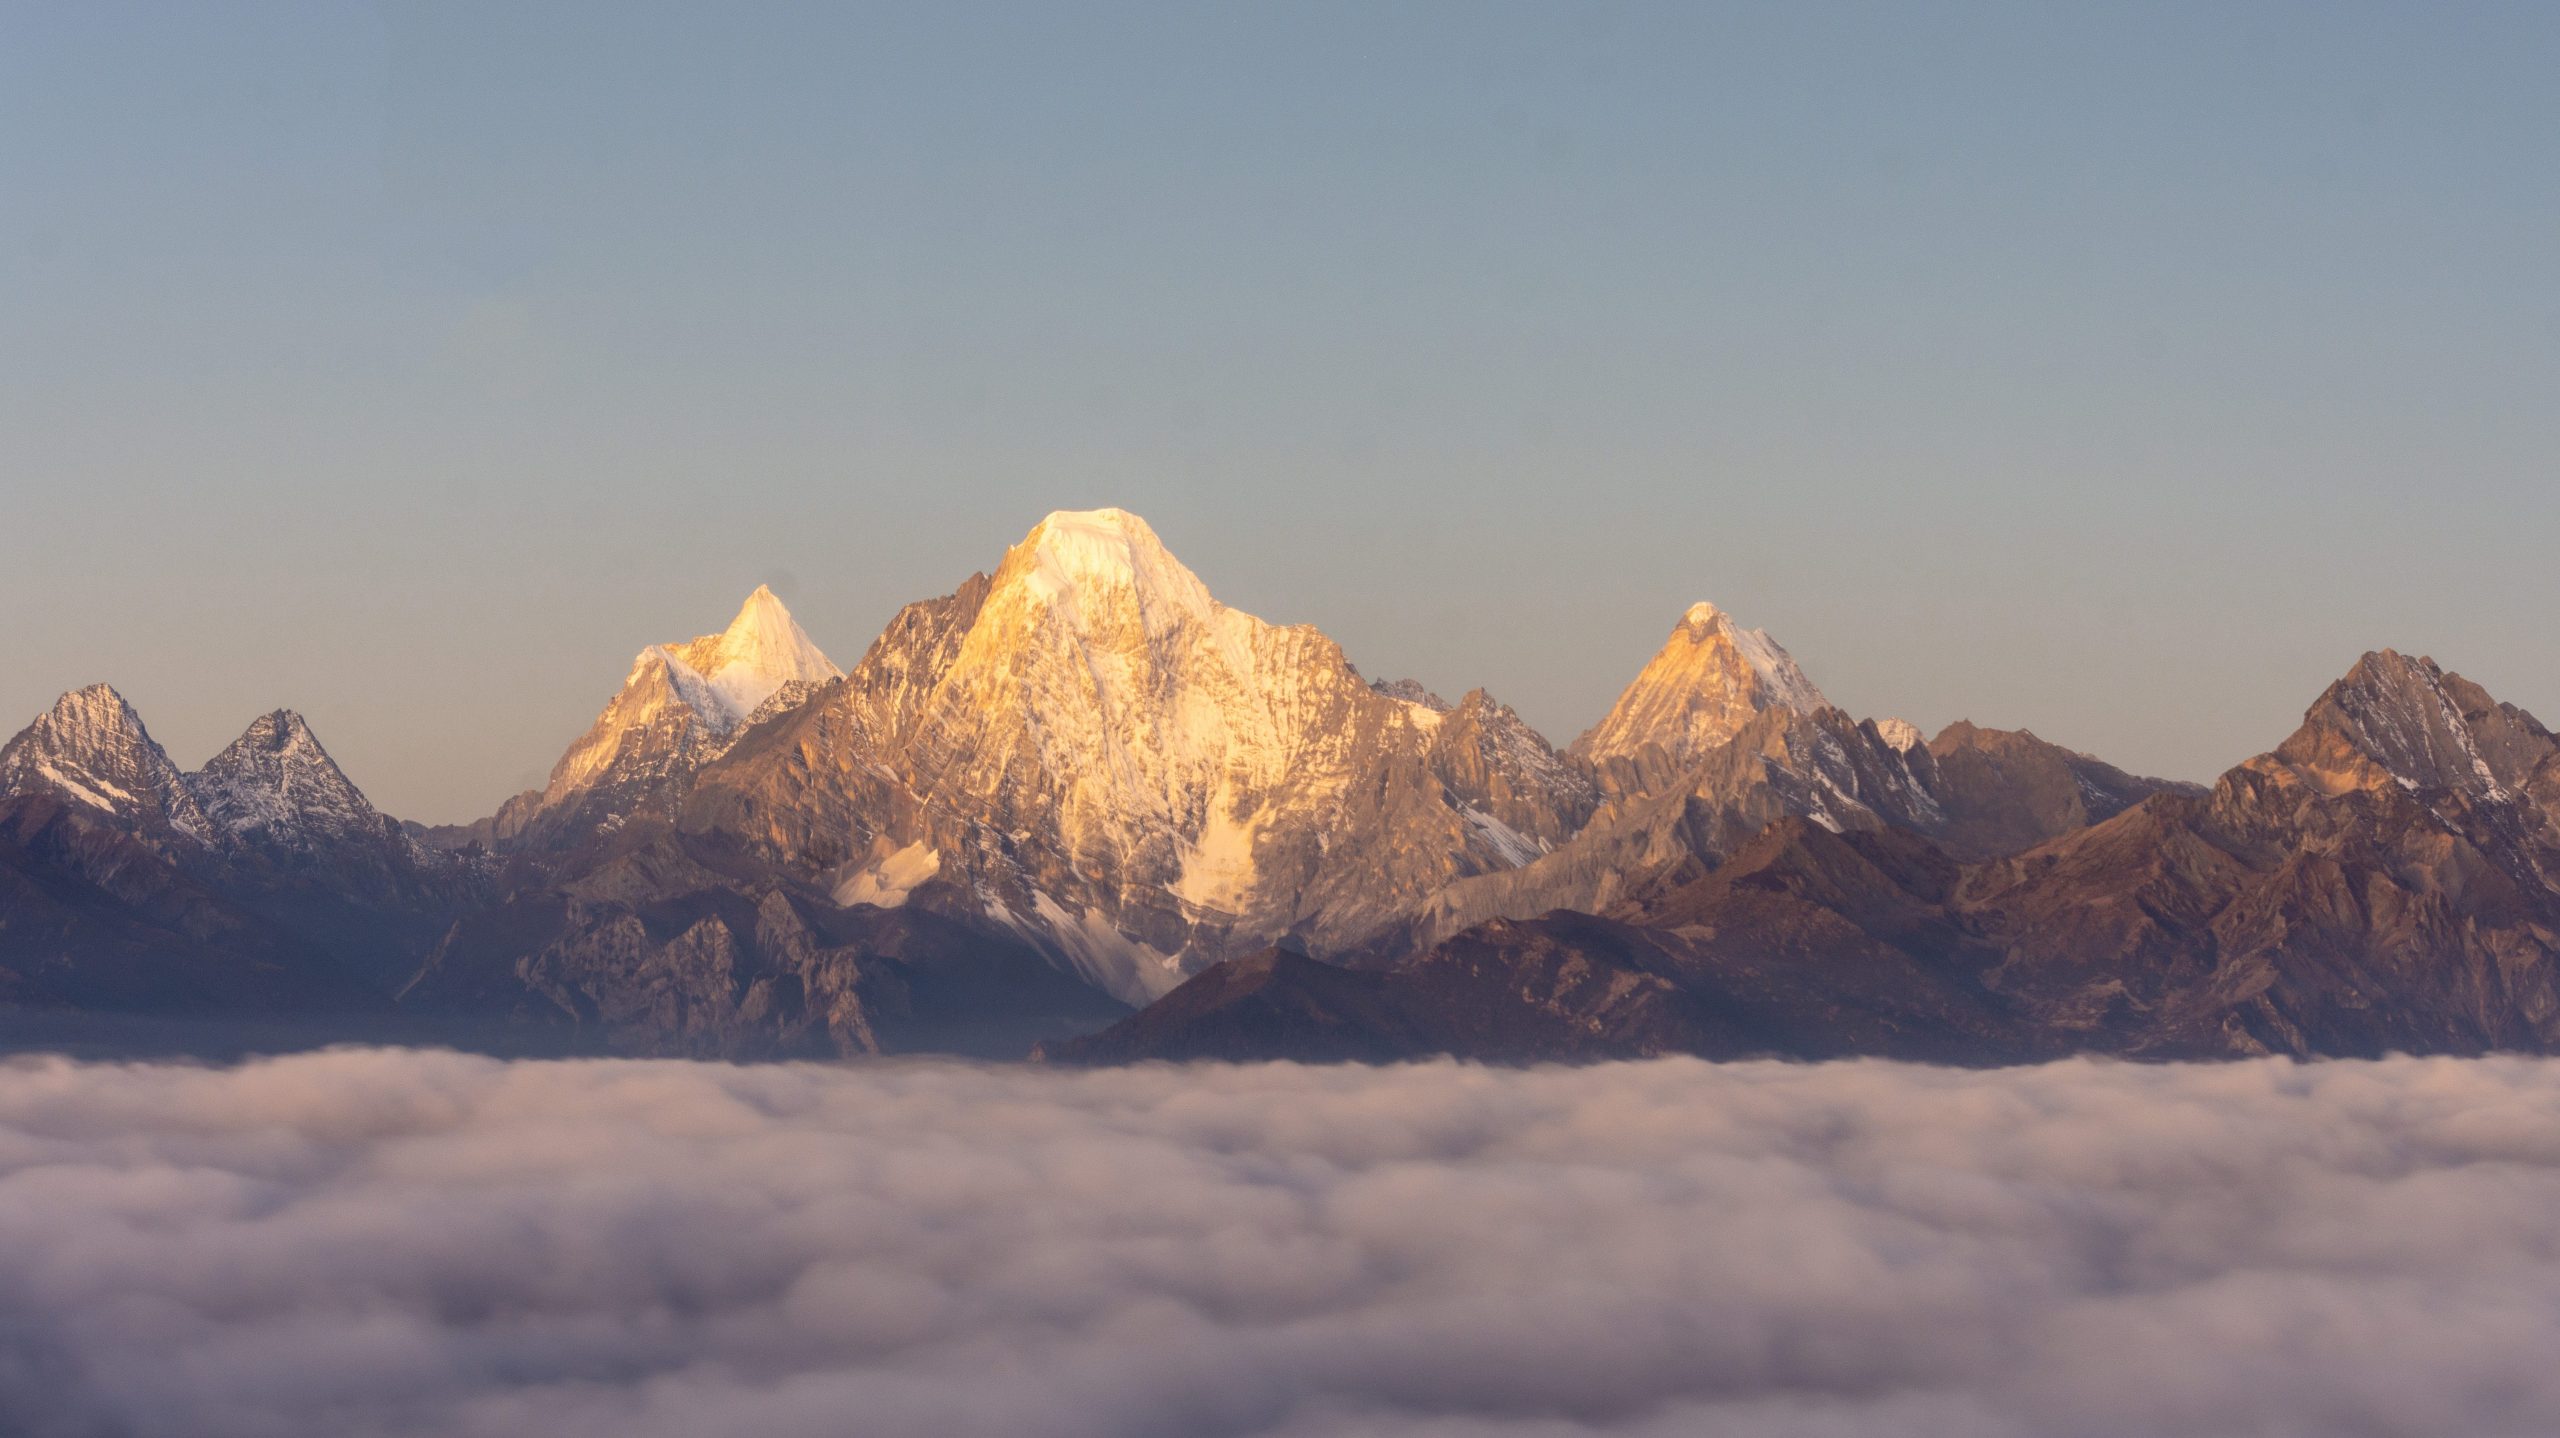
(399,1243)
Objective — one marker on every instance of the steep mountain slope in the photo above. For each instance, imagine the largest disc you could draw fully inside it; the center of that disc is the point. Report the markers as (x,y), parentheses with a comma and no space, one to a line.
(2003,790)
(96,917)
(652,943)
(681,706)
(294,840)
(1722,735)
(1090,750)
(92,749)
(1805,944)
(263,881)
(2385,879)
(275,788)
(1704,686)
(1089,747)
(1659,826)
(2388,877)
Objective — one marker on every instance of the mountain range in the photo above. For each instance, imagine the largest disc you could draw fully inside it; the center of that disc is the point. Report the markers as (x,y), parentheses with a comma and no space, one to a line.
(1078,805)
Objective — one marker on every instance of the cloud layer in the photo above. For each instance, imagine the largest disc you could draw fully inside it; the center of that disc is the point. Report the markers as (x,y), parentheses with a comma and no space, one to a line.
(383,1242)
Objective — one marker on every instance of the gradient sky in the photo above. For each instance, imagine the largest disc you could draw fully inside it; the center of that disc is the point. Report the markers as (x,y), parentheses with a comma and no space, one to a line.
(2118,375)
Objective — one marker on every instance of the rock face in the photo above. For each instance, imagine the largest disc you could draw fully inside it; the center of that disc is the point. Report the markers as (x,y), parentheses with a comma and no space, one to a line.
(95,917)
(681,706)
(264,880)
(274,787)
(296,841)
(653,952)
(1771,954)
(1710,680)
(1658,827)
(2003,790)
(91,749)
(1091,749)
(1723,735)
(2387,878)
(1080,783)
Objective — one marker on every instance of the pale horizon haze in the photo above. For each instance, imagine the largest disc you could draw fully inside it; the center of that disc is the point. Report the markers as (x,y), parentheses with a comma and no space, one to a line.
(2120,375)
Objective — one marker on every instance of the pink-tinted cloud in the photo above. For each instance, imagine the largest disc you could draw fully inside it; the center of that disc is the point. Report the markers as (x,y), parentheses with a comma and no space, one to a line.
(417,1243)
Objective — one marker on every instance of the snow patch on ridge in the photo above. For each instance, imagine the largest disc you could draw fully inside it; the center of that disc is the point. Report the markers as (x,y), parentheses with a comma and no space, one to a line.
(1120,966)
(74,788)
(887,883)
(1787,684)
(1217,867)
(1514,847)
(1900,735)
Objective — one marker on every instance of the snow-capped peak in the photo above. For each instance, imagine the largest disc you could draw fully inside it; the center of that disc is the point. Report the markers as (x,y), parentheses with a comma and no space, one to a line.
(282,732)
(683,704)
(92,748)
(1900,735)
(1707,681)
(1777,669)
(761,650)
(275,781)
(1094,552)
(1102,756)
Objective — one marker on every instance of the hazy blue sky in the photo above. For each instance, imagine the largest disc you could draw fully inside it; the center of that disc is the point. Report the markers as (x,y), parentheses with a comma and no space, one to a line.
(2118,375)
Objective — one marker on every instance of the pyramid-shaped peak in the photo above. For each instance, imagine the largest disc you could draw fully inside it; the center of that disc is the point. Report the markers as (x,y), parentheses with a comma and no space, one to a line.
(276,780)
(2387,676)
(277,735)
(89,717)
(762,607)
(1708,680)
(91,746)
(1776,670)
(1706,620)
(95,703)
(2387,665)
(763,612)
(763,649)
(2424,725)
(277,729)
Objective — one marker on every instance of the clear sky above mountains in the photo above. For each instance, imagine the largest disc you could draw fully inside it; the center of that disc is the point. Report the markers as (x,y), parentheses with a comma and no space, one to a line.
(2121,377)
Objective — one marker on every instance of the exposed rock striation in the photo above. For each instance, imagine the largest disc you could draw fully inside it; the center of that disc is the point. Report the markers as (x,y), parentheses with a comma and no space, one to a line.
(652,947)
(1706,684)
(91,748)
(2003,790)
(2383,880)
(263,882)
(681,706)
(1089,748)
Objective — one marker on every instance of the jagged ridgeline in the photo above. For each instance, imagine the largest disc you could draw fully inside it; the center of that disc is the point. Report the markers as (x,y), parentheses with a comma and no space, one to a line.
(1080,803)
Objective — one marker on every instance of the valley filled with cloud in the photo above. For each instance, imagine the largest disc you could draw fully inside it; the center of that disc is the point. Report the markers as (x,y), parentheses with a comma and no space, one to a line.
(404,1242)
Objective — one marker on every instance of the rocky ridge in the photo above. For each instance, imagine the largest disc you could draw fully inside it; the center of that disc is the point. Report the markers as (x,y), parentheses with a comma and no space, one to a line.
(262,880)
(2382,880)
(681,706)
(1080,782)
(1088,748)
(92,749)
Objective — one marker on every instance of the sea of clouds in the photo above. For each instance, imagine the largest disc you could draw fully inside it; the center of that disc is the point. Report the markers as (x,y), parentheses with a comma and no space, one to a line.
(400,1242)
